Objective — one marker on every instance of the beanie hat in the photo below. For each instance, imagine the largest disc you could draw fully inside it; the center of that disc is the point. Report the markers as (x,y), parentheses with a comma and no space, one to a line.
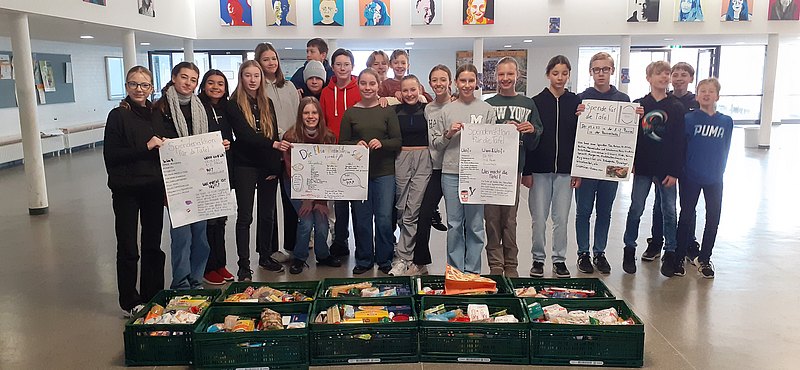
(314,69)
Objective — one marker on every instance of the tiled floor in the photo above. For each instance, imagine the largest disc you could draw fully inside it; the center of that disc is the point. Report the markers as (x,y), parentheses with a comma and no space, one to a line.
(58,301)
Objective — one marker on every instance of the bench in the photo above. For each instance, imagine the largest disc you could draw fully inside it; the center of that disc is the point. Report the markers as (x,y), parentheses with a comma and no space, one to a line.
(85,135)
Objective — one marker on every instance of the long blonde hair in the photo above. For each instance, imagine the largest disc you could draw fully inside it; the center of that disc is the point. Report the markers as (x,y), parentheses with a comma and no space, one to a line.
(241,98)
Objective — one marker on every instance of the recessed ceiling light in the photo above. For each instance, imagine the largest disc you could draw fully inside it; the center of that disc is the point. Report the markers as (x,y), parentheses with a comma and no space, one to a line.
(506,46)
(144,43)
(87,37)
(528,40)
(410,43)
(287,48)
(668,39)
(409,48)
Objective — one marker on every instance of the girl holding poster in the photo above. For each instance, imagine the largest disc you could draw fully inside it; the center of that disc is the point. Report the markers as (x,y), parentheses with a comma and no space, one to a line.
(547,168)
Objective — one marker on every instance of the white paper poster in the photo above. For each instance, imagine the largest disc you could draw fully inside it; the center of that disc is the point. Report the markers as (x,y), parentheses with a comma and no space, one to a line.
(5,67)
(332,172)
(487,170)
(605,142)
(196,178)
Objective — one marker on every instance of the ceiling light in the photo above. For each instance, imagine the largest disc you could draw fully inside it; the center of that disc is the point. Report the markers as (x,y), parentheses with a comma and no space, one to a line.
(669,39)
(287,48)
(410,43)
(144,43)
(528,40)
(740,43)
(506,46)
(87,37)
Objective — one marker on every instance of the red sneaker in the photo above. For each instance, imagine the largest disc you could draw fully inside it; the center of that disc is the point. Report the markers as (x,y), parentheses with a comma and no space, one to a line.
(213,278)
(222,271)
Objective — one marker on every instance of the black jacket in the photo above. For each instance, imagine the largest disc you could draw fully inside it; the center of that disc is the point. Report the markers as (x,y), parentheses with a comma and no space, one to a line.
(251,148)
(128,162)
(554,153)
(660,144)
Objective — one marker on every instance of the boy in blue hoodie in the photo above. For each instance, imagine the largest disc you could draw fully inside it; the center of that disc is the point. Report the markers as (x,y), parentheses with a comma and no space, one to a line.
(708,141)
(658,160)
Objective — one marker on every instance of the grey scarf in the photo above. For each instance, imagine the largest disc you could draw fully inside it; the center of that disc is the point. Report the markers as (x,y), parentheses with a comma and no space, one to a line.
(199,117)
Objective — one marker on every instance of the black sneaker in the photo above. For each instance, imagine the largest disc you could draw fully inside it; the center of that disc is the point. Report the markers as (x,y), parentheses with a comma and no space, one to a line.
(601,263)
(358,270)
(693,252)
(245,275)
(629,260)
(337,251)
(436,222)
(679,270)
(270,264)
(706,269)
(538,269)
(297,266)
(560,269)
(385,269)
(585,263)
(668,264)
(653,250)
(330,261)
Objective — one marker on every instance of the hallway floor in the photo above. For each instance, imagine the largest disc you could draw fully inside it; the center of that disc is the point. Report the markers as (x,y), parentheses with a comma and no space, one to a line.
(58,298)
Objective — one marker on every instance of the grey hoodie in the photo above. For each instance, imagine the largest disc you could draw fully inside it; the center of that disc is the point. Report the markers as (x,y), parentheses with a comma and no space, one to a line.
(286,103)
(476,112)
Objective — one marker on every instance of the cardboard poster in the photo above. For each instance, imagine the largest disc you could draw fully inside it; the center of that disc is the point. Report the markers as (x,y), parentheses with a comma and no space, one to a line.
(196,178)
(332,172)
(487,168)
(605,143)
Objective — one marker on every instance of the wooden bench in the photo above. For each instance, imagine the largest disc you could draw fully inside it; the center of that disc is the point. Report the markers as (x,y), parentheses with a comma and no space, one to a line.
(85,135)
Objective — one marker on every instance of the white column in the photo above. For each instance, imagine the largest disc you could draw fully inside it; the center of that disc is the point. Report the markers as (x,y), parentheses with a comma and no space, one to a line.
(26,97)
(477,59)
(532,82)
(768,99)
(332,46)
(624,61)
(129,50)
(188,50)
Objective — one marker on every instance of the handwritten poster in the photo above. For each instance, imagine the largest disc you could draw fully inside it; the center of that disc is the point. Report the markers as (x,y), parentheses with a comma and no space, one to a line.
(332,172)
(605,142)
(196,178)
(487,169)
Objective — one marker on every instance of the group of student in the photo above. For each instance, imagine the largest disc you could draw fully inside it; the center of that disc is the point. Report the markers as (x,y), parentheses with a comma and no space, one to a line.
(414,143)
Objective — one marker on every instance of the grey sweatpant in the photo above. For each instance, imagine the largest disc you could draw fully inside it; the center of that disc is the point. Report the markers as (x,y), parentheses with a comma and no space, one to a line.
(412,169)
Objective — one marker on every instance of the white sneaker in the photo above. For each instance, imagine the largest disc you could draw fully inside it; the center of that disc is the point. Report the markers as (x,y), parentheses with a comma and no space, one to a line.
(281,257)
(414,270)
(132,312)
(399,268)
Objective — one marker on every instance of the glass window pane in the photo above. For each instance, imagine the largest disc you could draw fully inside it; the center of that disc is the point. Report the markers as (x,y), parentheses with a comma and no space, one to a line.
(162,66)
(741,69)
(228,65)
(585,54)
(787,85)
(740,108)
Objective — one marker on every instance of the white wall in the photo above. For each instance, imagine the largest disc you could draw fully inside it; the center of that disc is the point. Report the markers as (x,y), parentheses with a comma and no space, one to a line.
(89,81)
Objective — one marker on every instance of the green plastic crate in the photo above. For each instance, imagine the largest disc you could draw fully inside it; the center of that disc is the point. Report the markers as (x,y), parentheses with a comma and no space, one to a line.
(600,288)
(402,280)
(501,343)
(277,349)
(342,344)
(437,282)
(141,349)
(587,345)
(309,288)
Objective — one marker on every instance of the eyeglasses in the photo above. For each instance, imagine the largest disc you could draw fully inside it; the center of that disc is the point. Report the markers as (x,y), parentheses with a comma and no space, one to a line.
(133,85)
(598,70)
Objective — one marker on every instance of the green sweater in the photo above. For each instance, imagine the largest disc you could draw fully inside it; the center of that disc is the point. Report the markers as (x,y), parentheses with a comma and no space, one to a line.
(519,109)
(373,123)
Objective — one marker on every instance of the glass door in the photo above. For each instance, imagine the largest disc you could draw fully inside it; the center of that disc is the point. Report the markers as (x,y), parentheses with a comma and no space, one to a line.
(161,66)
(640,58)
(228,64)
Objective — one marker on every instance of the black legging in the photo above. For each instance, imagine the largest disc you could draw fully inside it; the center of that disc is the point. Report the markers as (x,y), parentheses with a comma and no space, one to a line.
(289,221)
(431,199)
(215,231)
(246,181)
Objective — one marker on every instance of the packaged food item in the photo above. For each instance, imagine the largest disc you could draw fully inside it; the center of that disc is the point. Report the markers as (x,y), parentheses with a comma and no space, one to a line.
(244,325)
(506,319)
(477,312)
(525,292)
(457,282)
(155,312)
(554,310)
(230,322)
(265,294)
(535,311)
(607,316)
(557,292)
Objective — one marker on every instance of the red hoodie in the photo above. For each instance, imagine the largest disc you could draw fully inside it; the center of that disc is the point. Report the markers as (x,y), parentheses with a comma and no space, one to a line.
(334,101)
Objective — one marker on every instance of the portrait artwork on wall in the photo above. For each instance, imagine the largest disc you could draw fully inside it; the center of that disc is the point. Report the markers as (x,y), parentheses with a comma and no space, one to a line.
(688,11)
(736,11)
(643,10)
(328,13)
(147,8)
(374,12)
(281,13)
(237,13)
(783,10)
(425,12)
(96,2)
(554,25)
(478,12)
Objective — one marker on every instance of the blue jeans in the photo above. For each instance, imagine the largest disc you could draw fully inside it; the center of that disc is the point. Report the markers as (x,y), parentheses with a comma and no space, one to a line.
(465,231)
(377,207)
(641,189)
(550,197)
(189,255)
(315,220)
(690,193)
(657,229)
(598,195)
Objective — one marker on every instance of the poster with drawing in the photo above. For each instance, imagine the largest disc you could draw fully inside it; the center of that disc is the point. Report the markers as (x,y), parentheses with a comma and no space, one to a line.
(605,142)
(487,166)
(328,13)
(688,11)
(426,12)
(196,178)
(237,13)
(281,13)
(146,7)
(374,12)
(488,80)
(478,12)
(783,10)
(48,79)
(332,172)
(643,10)
(736,11)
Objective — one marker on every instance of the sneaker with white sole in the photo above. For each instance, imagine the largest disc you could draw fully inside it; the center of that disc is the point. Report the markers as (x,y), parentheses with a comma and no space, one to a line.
(414,270)
(399,268)
(706,269)
(281,257)
(133,311)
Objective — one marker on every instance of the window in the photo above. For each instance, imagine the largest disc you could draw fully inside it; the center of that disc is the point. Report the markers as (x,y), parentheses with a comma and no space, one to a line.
(115,78)
(741,74)
(787,85)
(585,54)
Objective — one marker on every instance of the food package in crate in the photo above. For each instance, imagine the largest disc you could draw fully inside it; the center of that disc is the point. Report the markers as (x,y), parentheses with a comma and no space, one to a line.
(457,282)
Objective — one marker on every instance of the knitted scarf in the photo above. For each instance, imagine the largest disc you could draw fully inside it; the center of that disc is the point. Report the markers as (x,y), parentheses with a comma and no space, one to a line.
(199,117)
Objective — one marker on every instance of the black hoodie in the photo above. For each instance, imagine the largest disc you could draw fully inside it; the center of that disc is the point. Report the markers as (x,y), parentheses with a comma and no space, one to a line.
(554,153)
(660,143)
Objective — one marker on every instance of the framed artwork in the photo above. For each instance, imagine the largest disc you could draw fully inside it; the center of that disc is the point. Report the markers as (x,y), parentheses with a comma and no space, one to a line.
(643,10)
(328,13)
(688,11)
(426,12)
(146,8)
(48,78)
(736,11)
(783,10)
(374,12)
(281,13)
(237,13)
(478,12)
(96,2)
(554,25)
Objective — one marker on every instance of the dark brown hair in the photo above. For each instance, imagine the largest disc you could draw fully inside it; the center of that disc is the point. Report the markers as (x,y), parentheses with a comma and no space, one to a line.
(297,134)
(556,60)
(263,47)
